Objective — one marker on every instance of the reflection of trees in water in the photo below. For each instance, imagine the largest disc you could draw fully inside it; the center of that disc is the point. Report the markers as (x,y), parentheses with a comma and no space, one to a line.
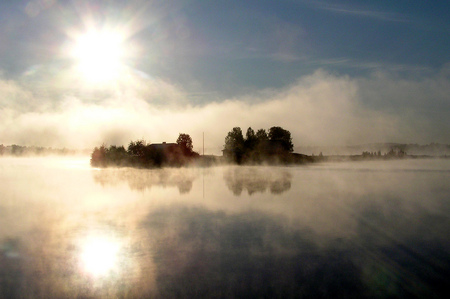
(257,179)
(141,179)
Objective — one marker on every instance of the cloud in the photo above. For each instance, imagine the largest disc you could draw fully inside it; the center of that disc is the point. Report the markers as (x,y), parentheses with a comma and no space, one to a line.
(349,63)
(318,109)
(364,13)
(13,96)
(276,39)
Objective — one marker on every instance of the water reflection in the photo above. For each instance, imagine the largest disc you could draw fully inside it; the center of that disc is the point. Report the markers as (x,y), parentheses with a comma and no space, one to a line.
(73,263)
(201,253)
(211,254)
(257,179)
(335,233)
(406,251)
(237,179)
(142,179)
(10,268)
(99,255)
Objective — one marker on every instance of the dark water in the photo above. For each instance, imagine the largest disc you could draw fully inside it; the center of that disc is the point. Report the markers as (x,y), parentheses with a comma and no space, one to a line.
(358,230)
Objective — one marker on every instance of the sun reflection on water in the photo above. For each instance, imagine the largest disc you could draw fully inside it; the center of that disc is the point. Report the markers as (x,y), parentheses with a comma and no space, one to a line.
(100,255)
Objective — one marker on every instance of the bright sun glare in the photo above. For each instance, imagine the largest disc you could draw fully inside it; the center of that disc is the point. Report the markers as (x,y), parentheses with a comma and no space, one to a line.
(99,55)
(99,256)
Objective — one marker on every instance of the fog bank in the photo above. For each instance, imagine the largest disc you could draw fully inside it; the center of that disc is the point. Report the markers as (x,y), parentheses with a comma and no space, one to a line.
(319,109)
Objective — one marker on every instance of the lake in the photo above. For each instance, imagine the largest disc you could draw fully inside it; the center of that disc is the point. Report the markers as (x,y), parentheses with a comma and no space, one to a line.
(372,229)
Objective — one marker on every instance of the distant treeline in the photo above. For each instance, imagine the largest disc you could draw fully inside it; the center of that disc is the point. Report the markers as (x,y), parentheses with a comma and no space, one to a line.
(432,149)
(18,150)
(141,154)
(393,153)
(273,147)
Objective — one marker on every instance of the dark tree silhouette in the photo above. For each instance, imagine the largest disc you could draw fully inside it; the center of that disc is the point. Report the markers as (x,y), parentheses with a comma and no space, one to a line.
(261,136)
(250,140)
(234,145)
(275,147)
(117,154)
(98,157)
(185,143)
(262,144)
(137,148)
(141,154)
(280,139)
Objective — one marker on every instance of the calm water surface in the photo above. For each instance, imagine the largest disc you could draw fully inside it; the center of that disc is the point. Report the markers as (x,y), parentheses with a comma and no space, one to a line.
(364,229)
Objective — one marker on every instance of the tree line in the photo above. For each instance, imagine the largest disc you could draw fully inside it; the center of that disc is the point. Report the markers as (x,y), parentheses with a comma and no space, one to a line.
(141,154)
(272,146)
(20,150)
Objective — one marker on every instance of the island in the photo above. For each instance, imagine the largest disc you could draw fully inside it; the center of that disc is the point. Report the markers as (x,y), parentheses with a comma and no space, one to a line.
(141,154)
(271,147)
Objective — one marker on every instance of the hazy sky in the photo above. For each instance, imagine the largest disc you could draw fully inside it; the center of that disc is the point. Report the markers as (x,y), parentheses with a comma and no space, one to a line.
(80,73)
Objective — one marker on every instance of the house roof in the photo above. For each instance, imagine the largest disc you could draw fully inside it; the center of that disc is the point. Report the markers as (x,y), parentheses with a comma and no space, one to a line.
(163,145)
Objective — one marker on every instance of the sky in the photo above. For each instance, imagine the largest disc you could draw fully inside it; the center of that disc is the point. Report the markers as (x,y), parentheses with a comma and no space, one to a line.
(78,73)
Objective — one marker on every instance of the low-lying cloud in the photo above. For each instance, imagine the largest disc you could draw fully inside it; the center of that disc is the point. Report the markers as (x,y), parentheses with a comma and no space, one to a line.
(319,109)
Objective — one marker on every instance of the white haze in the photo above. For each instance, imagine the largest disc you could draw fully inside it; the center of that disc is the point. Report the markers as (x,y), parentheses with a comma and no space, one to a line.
(319,109)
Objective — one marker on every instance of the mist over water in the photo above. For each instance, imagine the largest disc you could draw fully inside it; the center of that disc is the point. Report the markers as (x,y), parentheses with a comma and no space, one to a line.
(361,229)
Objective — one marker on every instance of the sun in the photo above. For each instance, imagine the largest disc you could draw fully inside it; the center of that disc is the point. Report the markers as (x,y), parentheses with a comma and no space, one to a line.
(99,55)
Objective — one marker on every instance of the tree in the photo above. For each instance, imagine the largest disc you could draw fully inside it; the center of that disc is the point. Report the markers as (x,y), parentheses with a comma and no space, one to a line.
(137,148)
(280,139)
(262,141)
(116,155)
(250,139)
(185,143)
(234,144)
(261,136)
(234,139)
(98,156)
